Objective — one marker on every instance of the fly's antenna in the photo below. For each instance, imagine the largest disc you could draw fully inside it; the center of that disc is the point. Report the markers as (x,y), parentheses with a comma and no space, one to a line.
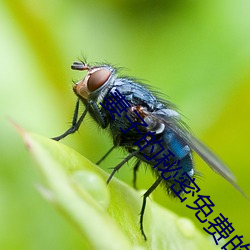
(80,66)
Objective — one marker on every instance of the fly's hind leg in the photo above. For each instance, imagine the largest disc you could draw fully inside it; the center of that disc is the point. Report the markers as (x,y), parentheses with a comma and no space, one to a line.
(145,196)
(135,169)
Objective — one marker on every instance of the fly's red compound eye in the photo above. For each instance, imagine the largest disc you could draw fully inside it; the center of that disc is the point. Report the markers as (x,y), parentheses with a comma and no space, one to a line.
(97,79)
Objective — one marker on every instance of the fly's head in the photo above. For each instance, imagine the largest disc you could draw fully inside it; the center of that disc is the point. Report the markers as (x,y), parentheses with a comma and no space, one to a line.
(93,84)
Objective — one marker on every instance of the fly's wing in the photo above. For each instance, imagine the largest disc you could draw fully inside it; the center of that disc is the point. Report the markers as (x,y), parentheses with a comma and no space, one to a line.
(175,124)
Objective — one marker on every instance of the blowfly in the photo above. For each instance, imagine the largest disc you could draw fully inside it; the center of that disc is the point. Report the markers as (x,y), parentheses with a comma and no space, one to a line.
(148,127)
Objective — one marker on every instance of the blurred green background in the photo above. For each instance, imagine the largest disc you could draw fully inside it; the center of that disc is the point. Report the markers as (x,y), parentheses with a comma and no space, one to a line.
(195,52)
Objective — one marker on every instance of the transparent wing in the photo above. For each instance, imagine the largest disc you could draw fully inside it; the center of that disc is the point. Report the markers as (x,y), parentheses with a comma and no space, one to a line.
(206,154)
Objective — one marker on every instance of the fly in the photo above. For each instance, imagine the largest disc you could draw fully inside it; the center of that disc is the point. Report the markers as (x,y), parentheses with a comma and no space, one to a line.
(172,140)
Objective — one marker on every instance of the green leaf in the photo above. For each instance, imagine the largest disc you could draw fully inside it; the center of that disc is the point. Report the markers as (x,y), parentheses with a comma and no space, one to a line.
(106,215)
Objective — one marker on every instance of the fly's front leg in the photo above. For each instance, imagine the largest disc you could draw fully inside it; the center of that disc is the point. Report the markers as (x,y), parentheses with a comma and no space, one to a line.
(98,114)
(75,124)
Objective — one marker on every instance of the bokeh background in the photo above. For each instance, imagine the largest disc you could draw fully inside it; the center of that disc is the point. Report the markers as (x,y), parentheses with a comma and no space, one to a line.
(195,52)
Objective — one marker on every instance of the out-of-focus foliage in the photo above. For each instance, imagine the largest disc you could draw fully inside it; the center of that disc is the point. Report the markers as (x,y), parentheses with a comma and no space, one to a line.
(197,53)
(101,213)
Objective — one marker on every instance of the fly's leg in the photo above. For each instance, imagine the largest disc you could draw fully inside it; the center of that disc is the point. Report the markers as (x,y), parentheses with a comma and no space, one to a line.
(145,196)
(100,117)
(121,164)
(75,124)
(136,167)
(105,155)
